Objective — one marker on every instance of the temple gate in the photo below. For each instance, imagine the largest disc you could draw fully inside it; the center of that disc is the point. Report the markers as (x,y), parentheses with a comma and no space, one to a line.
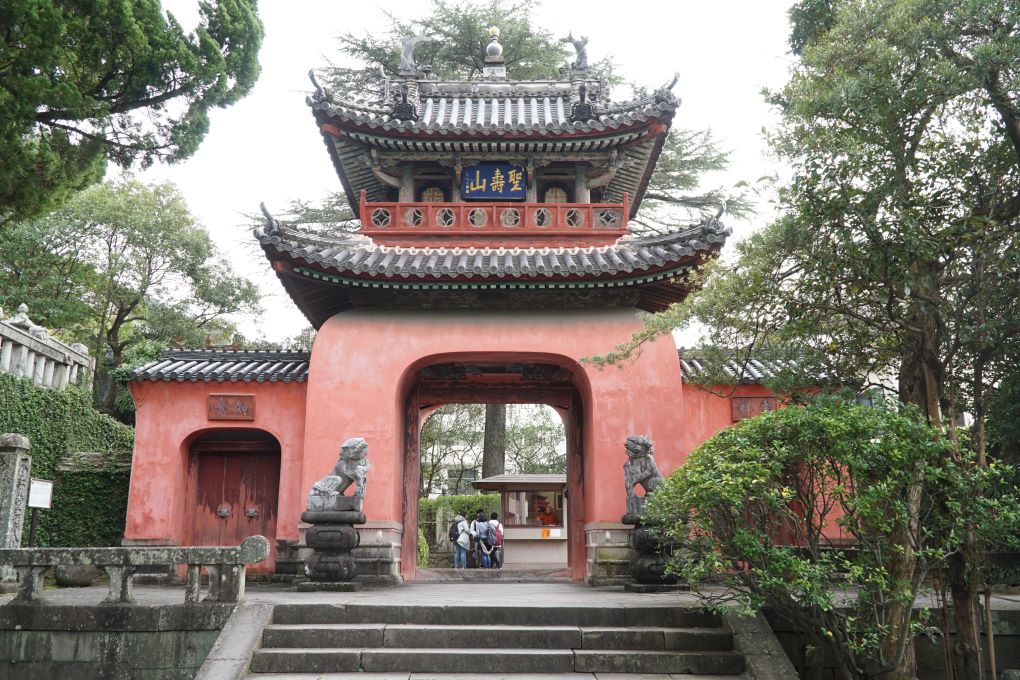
(495,253)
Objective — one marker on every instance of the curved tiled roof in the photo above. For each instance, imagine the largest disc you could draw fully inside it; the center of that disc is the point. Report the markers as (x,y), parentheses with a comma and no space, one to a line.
(539,114)
(185,365)
(359,257)
(198,365)
(753,371)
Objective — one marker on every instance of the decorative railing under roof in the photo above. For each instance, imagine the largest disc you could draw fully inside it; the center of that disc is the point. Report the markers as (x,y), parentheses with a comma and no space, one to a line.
(28,350)
(494,224)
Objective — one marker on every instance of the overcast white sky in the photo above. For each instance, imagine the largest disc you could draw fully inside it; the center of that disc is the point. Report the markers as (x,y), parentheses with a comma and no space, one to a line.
(267,147)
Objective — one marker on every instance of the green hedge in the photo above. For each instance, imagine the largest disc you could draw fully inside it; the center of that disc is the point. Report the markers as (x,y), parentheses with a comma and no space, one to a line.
(88,507)
(423,549)
(460,505)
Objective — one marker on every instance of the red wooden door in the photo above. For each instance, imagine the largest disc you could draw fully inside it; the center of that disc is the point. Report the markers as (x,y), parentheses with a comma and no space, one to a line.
(236,494)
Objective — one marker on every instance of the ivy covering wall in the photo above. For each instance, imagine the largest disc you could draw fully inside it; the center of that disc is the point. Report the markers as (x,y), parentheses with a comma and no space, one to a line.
(88,505)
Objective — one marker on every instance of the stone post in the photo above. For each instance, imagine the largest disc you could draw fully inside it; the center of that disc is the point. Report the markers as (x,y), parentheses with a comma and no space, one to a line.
(15,476)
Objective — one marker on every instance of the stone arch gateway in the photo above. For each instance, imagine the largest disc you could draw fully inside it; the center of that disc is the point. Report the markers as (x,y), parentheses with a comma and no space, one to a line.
(479,274)
(386,392)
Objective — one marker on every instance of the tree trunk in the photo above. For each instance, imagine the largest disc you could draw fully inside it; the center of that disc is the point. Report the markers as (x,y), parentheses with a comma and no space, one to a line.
(917,386)
(494,444)
(963,584)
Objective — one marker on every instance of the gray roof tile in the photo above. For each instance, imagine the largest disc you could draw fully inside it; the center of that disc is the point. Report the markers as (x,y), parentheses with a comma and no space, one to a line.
(197,365)
(544,113)
(753,371)
(361,257)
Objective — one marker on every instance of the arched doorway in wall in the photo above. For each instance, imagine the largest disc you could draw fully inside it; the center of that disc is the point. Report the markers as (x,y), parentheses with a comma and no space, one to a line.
(526,381)
(508,459)
(234,486)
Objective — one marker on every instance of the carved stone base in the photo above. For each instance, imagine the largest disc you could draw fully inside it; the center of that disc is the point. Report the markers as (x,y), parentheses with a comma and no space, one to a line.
(377,554)
(648,566)
(332,538)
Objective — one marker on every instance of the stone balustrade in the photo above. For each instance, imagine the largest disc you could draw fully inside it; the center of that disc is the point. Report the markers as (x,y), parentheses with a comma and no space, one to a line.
(226,567)
(28,350)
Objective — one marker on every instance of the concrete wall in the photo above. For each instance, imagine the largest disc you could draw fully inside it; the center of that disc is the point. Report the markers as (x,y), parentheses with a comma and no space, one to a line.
(169,416)
(707,409)
(364,363)
(166,642)
(362,367)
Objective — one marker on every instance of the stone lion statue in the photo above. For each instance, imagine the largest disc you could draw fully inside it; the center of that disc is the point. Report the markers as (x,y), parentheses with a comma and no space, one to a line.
(351,468)
(640,469)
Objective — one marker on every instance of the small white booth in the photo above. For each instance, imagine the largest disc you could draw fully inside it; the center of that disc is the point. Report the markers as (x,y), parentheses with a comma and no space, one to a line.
(534,516)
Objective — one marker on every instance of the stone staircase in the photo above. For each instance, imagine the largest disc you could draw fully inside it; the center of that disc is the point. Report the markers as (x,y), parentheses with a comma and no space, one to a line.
(312,641)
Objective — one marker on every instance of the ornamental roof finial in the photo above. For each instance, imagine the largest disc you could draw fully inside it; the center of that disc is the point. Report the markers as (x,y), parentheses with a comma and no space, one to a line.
(495,64)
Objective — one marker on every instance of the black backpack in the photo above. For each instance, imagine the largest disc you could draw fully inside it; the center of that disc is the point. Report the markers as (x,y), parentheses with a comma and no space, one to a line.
(454,532)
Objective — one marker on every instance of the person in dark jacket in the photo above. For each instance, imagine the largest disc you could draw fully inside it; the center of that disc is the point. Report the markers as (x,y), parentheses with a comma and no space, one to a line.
(481,530)
(497,541)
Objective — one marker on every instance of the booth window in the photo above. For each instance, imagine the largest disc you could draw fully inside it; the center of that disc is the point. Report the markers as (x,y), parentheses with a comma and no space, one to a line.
(432,194)
(555,193)
(533,508)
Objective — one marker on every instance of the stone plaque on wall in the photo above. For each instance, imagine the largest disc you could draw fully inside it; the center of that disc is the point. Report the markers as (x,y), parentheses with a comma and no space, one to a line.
(231,407)
(748,407)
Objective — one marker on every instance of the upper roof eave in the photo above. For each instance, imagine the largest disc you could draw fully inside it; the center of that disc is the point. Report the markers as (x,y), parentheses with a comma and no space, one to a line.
(611,122)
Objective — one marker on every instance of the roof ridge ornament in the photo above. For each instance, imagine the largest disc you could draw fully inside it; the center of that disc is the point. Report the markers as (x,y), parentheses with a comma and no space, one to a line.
(665,93)
(580,65)
(408,66)
(272,226)
(406,108)
(583,109)
(321,93)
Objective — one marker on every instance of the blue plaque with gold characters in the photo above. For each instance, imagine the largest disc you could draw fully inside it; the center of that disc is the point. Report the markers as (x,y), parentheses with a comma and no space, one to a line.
(499,181)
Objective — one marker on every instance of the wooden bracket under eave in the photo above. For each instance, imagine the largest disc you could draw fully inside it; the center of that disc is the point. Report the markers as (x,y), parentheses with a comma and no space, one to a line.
(331,130)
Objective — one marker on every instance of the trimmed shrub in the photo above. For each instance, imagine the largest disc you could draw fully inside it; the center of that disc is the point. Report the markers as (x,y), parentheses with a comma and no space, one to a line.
(428,509)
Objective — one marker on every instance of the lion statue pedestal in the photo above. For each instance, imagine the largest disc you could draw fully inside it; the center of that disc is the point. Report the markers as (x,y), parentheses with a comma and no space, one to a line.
(332,536)
(648,566)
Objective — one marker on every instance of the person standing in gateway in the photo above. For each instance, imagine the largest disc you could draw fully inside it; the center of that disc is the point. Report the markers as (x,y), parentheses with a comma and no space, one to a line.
(461,543)
(497,540)
(481,530)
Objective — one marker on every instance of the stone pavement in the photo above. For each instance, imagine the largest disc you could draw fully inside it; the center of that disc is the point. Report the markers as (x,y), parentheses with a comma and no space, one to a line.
(466,594)
(506,594)
(495,675)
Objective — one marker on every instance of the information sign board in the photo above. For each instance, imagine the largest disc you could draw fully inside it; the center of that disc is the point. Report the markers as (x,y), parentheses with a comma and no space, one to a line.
(40,494)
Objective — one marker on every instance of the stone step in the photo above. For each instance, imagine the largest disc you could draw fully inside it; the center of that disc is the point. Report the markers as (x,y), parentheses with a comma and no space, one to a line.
(492,675)
(643,661)
(487,614)
(481,662)
(529,637)
(510,574)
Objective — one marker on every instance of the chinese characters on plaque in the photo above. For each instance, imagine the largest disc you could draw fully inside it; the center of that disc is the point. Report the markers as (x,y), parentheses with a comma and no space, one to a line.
(231,407)
(748,407)
(493,181)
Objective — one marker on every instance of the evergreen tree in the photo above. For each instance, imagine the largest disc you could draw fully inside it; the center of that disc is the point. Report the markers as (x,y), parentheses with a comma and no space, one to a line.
(87,82)
(898,253)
